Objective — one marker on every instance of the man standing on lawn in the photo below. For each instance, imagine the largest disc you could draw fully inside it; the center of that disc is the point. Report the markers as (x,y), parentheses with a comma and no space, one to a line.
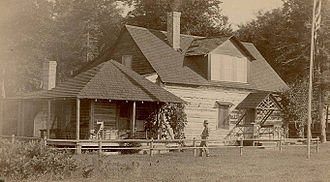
(204,136)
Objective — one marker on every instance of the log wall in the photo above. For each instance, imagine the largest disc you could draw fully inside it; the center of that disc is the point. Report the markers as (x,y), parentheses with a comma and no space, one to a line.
(105,111)
(200,105)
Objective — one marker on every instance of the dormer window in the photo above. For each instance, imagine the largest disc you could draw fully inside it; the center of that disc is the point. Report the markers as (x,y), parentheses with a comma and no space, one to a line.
(228,68)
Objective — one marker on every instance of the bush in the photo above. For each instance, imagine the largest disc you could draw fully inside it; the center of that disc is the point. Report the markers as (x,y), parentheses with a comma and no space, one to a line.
(171,115)
(32,160)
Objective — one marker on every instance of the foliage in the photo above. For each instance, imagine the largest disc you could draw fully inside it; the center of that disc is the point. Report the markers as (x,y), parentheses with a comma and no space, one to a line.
(33,160)
(202,18)
(169,114)
(283,36)
(295,105)
(176,117)
(34,31)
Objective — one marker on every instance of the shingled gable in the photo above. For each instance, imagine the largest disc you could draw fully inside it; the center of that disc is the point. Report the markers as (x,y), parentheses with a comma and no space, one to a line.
(110,80)
(208,45)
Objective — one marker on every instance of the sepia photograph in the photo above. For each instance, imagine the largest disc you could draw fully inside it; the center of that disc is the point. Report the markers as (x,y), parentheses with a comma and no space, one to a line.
(164,90)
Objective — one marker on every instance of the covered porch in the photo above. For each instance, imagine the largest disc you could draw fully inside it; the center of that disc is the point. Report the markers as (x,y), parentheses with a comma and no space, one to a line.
(100,119)
(107,102)
(259,118)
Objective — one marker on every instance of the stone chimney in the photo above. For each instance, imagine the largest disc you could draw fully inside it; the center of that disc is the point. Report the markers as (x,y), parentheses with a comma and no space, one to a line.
(126,60)
(173,29)
(49,75)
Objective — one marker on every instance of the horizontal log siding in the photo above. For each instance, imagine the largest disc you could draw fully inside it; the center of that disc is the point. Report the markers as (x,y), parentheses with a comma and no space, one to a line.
(201,104)
(127,46)
(105,111)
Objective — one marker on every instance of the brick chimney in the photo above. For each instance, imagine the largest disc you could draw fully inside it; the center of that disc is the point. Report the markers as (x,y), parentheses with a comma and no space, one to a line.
(126,60)
(49,75)
(173,29)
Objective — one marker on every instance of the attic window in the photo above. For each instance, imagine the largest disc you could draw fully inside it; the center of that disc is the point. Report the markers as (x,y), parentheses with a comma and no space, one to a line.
(229,68)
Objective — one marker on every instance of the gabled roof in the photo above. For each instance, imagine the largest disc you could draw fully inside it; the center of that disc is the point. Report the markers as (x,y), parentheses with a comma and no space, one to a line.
(170,67)
(110,80)
(207,45)
(204,46)
(168,63)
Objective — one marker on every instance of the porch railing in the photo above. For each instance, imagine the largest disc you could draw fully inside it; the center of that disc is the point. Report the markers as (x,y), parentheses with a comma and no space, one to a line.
(150,147)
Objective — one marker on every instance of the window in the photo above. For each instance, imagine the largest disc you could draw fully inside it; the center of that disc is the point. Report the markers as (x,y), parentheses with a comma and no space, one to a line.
(223,114)
(229,68)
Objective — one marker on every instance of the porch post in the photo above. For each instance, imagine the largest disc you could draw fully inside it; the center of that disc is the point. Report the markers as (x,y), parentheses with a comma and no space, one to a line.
(158,121)
(49,118)
(2,117)
(133,118)
(19,118)
(91,116)
(78,119)
(22,118)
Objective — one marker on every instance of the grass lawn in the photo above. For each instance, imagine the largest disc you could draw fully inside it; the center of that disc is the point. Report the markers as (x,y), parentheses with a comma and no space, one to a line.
(224,165)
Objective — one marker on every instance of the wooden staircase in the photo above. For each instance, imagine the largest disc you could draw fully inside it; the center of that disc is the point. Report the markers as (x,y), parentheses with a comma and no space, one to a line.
(236,132)
(254,130)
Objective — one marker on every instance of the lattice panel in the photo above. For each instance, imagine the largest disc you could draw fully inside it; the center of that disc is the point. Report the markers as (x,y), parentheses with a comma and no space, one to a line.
(268,104)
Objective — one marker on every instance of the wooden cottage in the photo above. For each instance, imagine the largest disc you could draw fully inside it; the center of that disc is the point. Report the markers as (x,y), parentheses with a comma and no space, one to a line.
(108,101)
(213,75)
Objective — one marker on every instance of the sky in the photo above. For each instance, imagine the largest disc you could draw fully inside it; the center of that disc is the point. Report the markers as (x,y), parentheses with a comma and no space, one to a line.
(243,11)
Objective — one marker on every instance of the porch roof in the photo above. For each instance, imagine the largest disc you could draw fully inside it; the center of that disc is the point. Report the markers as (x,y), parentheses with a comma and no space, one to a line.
(252,100)
(109,80)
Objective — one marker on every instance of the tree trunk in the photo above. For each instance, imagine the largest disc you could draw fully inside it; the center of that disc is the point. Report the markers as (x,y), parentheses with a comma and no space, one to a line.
(323,125)
(321,103)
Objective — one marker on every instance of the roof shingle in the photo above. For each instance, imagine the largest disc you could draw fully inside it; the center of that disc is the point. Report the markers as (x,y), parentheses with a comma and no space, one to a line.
(168,63)
(110,80)
(252,100)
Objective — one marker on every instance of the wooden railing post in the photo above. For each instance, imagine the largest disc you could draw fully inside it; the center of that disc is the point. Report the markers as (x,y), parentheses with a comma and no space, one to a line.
(151,146)
(280,139)
(12,138)
(317,145)
(99,147)
(194,145)
(44,141)
(179,148)
(78,149)
(241,147)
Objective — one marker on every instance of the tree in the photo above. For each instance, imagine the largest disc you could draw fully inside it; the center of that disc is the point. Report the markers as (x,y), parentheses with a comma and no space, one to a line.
(294,102)
(202,18)
(283,36)
(21,37)
(69,32)
(83,30)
